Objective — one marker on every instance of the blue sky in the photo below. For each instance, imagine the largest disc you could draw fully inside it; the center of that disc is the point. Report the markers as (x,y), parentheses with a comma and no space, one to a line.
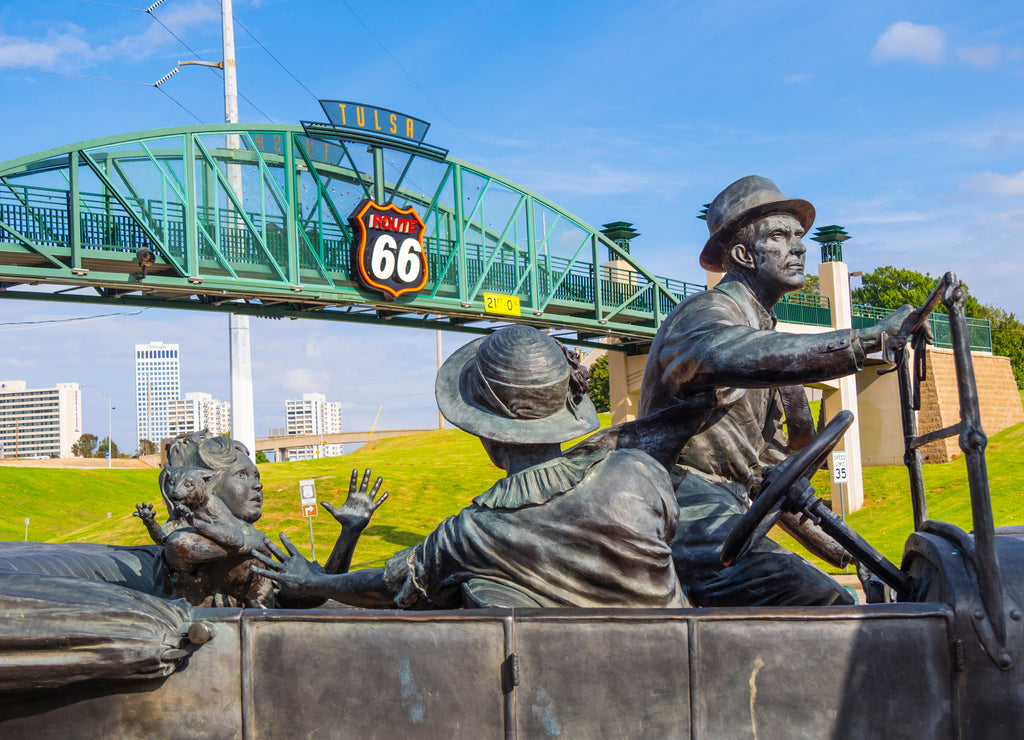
(901,121)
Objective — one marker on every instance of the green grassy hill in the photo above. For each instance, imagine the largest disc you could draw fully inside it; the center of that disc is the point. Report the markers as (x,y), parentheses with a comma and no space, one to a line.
(431,476)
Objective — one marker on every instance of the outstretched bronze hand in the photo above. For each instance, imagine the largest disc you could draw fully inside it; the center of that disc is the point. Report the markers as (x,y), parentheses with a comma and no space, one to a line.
(360,505)
(353,516)
(293,571)
(146,513)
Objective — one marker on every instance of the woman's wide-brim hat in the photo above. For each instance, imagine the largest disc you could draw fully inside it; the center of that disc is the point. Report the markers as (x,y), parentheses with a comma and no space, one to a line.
(513,386)
(746,200)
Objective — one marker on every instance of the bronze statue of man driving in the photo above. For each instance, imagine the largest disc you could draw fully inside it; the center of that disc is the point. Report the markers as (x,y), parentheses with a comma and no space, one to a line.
(722,345)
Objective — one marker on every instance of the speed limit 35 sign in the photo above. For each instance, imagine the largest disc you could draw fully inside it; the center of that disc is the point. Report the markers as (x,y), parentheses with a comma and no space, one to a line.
(839,470)
(387,251)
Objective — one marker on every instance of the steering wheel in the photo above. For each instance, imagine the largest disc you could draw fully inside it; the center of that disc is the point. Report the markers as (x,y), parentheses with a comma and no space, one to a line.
(790,479)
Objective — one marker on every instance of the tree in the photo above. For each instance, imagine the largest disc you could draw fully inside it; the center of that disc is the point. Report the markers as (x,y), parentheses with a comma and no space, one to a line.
(1007,338)
(261,457)
(891,287)
(101,451)
(146,447)
(811,284)
(598,391)
(85,446)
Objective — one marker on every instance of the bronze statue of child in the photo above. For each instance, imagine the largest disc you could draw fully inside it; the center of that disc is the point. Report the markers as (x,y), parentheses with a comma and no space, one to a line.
(213,496)
(591,530)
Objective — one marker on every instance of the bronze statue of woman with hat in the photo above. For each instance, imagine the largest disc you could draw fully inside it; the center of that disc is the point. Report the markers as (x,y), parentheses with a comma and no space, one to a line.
(590,530)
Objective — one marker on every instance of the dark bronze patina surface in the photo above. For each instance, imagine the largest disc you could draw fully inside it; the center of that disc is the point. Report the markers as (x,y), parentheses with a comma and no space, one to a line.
(92,644)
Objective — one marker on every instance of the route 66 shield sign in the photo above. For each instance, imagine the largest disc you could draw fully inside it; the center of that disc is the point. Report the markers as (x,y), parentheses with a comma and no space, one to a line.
(387,248)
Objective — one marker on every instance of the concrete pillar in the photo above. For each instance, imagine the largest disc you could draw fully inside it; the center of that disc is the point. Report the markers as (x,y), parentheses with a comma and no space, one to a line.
(243,422)
(621,403)
(714,278)
(834,282)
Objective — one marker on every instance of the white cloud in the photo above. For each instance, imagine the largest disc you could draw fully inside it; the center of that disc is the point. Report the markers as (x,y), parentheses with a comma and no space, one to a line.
(595,180)
(61,42)
(66,44)
(890,218)
(982,57)
(905,40)
(178,18)
(796,79)
(992,183)
(302,380)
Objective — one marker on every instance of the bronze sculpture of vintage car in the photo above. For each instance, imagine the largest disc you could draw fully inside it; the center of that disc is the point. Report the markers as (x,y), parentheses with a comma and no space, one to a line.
(943,658)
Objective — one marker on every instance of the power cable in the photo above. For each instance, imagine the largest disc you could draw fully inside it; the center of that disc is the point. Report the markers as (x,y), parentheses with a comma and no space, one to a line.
(179,104)
(80,77)
(279,62)
(149,11)
(104,79)
(196,55)
(73,318)
(413,80)
(113,5)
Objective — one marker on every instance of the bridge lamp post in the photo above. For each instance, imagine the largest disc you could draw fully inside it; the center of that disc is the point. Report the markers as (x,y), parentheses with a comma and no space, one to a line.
(110,440)
(831,239)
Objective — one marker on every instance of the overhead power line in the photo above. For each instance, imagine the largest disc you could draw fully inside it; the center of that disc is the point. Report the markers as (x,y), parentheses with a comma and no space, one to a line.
(73,318)
(271,55)
(80,77)
(197,56)
(412,79)
(149,11)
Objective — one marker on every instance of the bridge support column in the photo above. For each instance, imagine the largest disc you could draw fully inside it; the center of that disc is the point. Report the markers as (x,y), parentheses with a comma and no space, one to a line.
(834,281)
(625,374)
(243,422)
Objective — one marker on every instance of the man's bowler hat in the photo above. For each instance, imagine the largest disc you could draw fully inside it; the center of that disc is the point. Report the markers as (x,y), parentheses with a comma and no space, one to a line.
(746,200)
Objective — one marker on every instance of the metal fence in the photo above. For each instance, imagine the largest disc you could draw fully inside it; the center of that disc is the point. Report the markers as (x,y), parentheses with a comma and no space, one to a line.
(979,331)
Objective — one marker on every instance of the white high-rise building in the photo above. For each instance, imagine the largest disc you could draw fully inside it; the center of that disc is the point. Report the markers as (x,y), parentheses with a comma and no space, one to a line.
(314,414)
(39,422)
(198,411)
(157,383)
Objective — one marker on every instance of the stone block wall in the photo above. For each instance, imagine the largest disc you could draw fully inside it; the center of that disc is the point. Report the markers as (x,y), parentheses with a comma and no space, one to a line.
(998,396)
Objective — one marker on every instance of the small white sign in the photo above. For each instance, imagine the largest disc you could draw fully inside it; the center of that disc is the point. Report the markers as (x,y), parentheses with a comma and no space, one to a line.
(307,491)
(839,472)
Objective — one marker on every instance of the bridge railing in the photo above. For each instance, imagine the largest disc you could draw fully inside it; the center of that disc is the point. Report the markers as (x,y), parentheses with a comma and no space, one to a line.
(268,219)
(979,331)
(41,214)
(809,309)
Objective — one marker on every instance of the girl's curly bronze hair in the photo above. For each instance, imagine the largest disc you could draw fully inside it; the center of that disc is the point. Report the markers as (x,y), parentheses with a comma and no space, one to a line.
(579,376)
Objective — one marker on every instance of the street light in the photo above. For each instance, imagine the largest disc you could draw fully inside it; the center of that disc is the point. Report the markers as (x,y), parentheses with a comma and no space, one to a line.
(110,441)
(831,239)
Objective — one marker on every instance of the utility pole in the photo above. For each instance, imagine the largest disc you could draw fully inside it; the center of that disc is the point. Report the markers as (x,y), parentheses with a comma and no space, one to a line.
(243,423)
(110,439)
(440,416)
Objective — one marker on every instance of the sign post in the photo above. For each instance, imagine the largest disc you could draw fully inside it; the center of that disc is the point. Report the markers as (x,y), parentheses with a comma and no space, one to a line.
(840,476)
(307,500)
(26,529)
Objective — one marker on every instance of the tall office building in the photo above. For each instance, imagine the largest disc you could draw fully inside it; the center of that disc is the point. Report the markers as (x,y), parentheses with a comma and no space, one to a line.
(314,414)
(39,422)
(157,383)
(198,411)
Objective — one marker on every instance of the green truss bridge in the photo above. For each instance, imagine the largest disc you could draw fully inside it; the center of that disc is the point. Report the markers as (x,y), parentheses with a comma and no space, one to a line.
(254,220)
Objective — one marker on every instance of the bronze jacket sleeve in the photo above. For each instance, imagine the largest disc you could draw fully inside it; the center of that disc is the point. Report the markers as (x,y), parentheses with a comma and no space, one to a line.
(712,348)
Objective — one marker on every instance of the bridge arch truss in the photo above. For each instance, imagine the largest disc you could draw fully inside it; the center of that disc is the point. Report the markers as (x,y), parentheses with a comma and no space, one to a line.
(253,220)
